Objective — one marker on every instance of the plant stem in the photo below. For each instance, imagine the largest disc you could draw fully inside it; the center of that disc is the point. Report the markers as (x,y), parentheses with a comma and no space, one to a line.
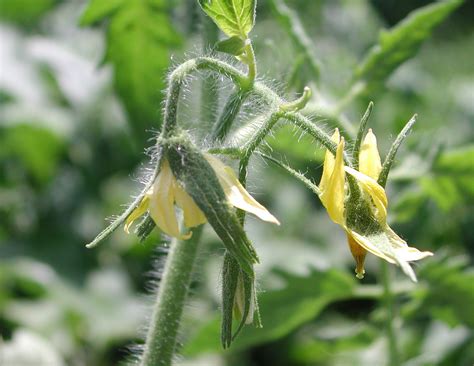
(388,300)
(161,338)
(251,63)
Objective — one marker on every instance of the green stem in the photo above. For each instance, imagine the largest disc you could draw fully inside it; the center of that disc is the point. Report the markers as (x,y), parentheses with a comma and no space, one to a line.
(161,338)
(308,126)
(241,80)
(388,300)
(251,63)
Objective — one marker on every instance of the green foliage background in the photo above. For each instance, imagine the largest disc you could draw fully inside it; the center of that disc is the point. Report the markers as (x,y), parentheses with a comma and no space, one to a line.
(80,92)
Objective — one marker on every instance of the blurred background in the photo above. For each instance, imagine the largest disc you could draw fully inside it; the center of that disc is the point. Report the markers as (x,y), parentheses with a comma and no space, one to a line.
(80,100)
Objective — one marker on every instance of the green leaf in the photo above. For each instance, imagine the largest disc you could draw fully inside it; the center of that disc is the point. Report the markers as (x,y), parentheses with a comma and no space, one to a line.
(139,37)
(282,311)
(402,42)
(450,183)
(233,46)
(37,149)
(451,295)
(233,17)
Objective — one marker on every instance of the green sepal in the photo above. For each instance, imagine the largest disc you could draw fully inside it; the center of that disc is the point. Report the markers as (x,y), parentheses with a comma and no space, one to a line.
(233,46)
(199,180)
(230,276)
(390,158)
(360,135)
(237,287)
(247,293)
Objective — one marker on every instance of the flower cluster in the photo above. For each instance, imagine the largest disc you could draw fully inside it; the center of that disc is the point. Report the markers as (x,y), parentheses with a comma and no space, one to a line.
(361,209)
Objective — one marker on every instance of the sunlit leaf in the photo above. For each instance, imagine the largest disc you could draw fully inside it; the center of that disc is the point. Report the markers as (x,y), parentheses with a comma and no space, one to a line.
(233,17)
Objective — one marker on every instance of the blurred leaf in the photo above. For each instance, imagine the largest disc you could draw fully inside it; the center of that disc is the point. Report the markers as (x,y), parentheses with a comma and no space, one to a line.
(282,311)
(451,290)
(233,17)
(301,147)
(450,183)
(337,337)
(24,12)
(79,313)
(98,9)
(37,149)
(402,42)
(139,37)
(293,26)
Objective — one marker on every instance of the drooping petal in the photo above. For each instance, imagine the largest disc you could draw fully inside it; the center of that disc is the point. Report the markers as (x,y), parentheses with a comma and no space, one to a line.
(161,204)
(328,165)
(375,190)
(235,193)
(359,253)
(193,216)
(332,193)
(369,157)
(402,249)
(140,210)
(389,246)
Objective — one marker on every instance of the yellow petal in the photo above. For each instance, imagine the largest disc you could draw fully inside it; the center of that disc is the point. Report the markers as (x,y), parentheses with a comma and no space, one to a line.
(375,190)
(382,251)
(359,253)
(193,216)
(369,158)
(328,165)
(332,192)
(139,210)
(236,194)
(161,204)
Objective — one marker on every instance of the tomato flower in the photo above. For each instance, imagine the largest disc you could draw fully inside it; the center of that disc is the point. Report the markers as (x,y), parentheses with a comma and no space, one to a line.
(166,191)
(363,215)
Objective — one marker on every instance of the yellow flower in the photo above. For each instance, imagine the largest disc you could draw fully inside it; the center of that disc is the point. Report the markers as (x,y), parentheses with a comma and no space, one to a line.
(160,200)
(377,237)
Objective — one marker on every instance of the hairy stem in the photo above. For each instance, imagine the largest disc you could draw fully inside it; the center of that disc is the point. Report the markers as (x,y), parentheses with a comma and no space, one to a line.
(241,81)
(161,338)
